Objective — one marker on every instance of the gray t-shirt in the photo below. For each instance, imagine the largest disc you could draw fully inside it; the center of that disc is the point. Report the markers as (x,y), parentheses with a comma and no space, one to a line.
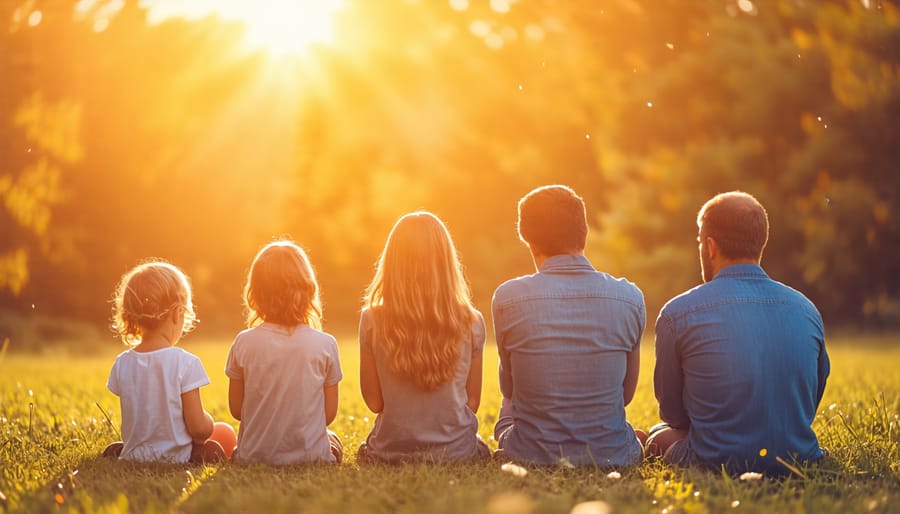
(284,371)
(423,425)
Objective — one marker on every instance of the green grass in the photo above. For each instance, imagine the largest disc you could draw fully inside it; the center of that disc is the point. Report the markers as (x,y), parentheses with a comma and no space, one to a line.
(52,428)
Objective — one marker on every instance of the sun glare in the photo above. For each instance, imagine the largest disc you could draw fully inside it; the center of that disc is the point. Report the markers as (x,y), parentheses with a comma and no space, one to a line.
(290,27)
(278,27)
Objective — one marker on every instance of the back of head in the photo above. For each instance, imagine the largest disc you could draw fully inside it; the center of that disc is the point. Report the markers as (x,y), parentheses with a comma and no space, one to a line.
(421,301)
(737,222)
(146,295)
(552,221)
(281,287)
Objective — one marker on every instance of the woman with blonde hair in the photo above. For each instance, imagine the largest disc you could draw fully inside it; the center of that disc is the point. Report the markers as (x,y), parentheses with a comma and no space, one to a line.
(421,343)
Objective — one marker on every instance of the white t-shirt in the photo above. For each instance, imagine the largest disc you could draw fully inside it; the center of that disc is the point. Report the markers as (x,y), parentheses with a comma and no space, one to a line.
(285,371)
(149,386)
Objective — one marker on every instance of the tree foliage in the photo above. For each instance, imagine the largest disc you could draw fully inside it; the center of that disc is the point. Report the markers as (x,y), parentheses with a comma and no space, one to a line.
(125,138)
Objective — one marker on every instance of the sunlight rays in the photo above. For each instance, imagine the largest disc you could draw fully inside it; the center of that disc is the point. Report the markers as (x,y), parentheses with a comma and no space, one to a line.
(280,29)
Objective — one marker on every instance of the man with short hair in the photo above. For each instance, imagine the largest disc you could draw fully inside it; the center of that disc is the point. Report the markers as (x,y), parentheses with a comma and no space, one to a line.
(569,341)
(740,360)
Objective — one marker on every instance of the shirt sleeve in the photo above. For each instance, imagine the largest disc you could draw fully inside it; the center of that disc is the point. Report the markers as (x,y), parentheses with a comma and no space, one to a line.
(668,378)
(365,330)
(479,334)
(233,368)
(824,369)
(505,369)
(333,373)
(112,383)
(642,324)
(194,376)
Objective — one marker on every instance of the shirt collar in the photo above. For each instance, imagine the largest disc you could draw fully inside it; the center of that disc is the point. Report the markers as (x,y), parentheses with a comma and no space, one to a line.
(741,270)
(565,261)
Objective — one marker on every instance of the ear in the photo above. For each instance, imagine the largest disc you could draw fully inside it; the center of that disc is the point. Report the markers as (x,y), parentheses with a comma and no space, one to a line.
(712,248)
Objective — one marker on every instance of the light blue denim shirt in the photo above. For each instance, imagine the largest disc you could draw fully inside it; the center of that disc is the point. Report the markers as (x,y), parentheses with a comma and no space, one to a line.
(563,335)
(741,361)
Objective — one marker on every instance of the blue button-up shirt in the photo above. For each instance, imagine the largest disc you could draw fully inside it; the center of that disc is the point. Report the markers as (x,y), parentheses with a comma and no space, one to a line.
(563,335)
(741,362)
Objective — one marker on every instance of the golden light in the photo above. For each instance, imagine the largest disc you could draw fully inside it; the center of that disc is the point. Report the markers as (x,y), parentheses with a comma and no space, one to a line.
(284,28)
(278,27)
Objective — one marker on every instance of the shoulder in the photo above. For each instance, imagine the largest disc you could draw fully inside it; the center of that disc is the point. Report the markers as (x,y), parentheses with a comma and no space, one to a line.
(124,355)
(123,359)
(687,298)
(796,297)
(686,301)
(248,334)
(478,325)
(182,355)
(623,287)
(366,317)
(315,336)
(514,288)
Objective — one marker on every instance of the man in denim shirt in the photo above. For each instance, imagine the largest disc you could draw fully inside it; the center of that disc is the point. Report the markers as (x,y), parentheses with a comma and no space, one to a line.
(569,341)
(740,360)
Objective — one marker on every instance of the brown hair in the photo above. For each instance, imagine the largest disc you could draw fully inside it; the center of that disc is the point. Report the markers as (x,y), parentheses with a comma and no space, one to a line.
(420,301)
(281,287)
(737,222)
(552,220)
(148,293)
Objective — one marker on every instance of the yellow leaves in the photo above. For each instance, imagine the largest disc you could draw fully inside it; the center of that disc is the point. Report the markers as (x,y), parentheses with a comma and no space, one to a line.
(54,128)
(858,77)
(802,39)
(14,270)
(30,196)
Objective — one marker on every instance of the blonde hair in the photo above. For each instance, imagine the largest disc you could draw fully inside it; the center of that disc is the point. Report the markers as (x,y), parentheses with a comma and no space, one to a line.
(146,295)
(420,301)
(281,287)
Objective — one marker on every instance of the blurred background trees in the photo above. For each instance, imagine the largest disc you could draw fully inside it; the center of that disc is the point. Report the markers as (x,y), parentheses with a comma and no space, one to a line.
(126,134)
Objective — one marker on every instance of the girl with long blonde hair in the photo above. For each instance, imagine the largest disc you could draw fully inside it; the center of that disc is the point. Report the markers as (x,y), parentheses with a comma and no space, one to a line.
(421,343)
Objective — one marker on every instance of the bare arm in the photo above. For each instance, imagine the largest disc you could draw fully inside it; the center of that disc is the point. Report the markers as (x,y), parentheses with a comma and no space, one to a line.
(368,381)
(331,403)
(236,397)
(632,370)
(198,422)
(473,383)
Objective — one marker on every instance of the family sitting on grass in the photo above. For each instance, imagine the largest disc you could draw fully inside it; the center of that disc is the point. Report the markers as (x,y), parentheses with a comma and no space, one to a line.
(740,370)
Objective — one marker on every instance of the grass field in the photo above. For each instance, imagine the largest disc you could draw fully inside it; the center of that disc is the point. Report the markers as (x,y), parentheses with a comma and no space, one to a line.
(53,424)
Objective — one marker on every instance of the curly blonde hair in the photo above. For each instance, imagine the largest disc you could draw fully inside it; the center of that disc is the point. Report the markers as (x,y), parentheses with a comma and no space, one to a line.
(148,293)
(281,287)
(420,301)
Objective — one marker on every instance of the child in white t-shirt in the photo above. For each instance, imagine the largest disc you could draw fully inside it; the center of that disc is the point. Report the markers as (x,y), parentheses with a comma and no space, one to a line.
(283,370)
(158,385)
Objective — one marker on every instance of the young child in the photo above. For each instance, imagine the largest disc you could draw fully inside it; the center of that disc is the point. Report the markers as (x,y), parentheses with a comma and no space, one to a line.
(421,344)
(283,370)
(158,384)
